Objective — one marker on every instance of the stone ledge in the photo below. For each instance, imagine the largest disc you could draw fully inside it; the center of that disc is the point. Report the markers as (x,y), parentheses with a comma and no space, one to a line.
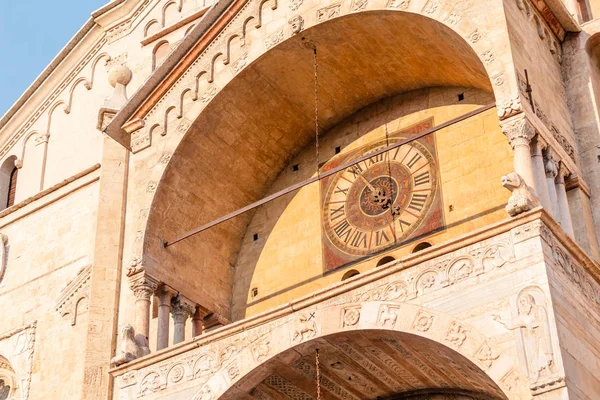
(41,195)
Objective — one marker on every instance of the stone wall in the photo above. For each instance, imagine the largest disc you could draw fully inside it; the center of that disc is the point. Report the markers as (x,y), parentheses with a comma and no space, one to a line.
(45,282)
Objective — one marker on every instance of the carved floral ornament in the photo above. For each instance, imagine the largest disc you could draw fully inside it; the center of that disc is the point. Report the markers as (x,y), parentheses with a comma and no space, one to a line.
(197,82)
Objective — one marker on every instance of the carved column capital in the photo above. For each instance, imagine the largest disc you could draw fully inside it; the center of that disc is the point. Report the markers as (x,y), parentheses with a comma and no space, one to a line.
(562,174)
(143,286)
(181,309)
(551,163)
(518,130)
(165,295)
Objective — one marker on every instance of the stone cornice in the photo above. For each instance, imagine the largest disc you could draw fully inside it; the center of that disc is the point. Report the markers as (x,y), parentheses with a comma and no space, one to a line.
(375,275)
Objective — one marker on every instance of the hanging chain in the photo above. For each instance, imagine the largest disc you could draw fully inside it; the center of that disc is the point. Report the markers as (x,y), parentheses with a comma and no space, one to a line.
(316,67)
(318,374)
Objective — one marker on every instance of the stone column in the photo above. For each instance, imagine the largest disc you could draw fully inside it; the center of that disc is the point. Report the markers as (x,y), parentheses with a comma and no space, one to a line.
(181,309)
(519,132)
(198,321)
(143,286)
(165,295)
(563,204)
(537,144)
(551,166)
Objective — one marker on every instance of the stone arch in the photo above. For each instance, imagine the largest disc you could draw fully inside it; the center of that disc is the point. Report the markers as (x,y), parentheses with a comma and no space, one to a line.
(480,49)
(6,170)
(304,329)
(8,380)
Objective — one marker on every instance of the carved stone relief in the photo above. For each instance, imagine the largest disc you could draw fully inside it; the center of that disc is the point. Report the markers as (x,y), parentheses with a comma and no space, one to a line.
(530,319)
(74,297)
(304,328)
(20,344)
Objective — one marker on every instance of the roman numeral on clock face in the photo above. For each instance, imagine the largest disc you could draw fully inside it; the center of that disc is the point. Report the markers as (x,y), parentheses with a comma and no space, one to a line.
(335,213)
(343,230)
(356,170)
(340,190)
(415,159)
(418,201)
(375,159)
(359,239)
(381,238)
(422,178)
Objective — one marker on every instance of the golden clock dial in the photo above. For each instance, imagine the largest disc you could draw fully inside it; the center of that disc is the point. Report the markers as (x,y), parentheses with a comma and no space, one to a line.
(380,202)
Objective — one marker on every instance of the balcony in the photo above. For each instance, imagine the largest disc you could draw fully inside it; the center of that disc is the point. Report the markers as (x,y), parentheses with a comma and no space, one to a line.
(446,311)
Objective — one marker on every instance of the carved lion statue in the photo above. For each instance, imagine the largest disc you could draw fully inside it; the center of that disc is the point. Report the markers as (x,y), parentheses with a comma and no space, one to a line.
(522,198)
(132,347)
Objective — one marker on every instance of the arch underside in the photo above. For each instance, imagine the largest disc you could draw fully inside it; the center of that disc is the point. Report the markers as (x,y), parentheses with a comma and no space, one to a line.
(264,117)
(368,364)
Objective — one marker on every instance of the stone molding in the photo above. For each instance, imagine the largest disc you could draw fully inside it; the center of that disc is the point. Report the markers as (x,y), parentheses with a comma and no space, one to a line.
(75,296)
(195,76)
(24,347)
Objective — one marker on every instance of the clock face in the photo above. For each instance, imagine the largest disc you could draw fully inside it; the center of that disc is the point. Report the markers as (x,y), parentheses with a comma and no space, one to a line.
(380,202)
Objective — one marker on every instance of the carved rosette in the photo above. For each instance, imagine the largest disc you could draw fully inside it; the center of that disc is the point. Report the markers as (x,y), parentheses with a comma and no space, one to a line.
(519,131)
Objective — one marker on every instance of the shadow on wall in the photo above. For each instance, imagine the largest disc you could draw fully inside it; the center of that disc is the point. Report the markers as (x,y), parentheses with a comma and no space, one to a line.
(268,216)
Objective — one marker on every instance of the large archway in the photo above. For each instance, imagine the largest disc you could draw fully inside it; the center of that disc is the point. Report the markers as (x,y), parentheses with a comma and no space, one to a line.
(262,118)
(368,364)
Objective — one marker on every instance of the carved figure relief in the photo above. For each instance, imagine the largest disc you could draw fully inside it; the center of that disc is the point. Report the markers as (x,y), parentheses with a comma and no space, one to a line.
(456,334)
(399,4)
(305,328)
(296,24)
(388,316)
(132,347)
(532,323)
(522,198)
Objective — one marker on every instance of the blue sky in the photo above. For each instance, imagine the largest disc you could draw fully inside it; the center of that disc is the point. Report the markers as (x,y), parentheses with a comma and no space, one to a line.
(32,32)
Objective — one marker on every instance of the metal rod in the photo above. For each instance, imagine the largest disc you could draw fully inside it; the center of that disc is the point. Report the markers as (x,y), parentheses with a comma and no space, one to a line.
(325,174)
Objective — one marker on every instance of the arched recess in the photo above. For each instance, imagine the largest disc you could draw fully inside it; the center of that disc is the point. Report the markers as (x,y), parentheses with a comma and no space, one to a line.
(372,350)
(8,381)
(246,126)
(7,171)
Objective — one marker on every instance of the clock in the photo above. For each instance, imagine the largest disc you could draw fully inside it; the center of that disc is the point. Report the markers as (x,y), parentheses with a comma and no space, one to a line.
(381,202)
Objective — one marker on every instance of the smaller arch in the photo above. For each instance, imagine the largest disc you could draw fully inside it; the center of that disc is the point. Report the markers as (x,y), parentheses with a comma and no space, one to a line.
(94,64)
(86,84)
(350,274)
(421,246)
(385,260)
(151,28)
(167,12)
(260,11)
(166,119)
(211,77)
(181,100)
(198,78)
(160,52)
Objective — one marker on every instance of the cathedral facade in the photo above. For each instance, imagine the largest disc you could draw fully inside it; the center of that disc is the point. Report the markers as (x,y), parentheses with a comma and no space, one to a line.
(306,200)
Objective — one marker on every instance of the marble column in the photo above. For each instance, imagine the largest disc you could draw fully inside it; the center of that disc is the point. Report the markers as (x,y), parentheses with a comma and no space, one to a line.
(143,287)
(537,144)
(563,203)
(551,166)
(165,295)
(181,309)
(519,132)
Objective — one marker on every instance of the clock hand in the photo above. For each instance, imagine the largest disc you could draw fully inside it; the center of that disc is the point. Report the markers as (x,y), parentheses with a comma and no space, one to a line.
(367,183)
